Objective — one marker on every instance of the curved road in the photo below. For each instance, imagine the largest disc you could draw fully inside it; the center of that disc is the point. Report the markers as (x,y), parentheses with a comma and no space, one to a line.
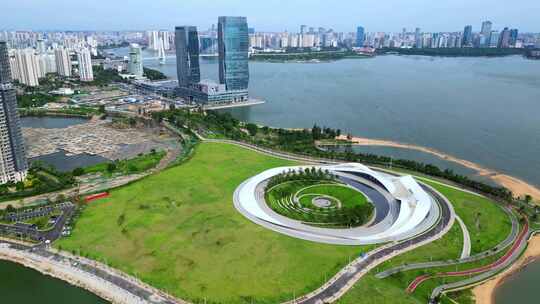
(510,239)
(348,276)
(493,266)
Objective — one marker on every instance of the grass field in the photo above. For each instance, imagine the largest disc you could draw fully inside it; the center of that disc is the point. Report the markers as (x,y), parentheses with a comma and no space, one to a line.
(348,207)
(178,231)
(137,164)
(488,225)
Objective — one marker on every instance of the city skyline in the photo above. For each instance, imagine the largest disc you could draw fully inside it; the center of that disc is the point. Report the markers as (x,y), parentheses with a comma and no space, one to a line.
(269,16)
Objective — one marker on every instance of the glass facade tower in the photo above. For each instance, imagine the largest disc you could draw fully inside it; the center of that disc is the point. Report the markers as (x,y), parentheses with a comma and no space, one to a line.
(233,45)
(360,36)
(187,55)
(13,163)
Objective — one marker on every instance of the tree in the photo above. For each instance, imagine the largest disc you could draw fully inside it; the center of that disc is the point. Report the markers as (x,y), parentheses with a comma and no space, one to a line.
(252,129)
(19,186)
(78,171)
(101,109)
(111,167)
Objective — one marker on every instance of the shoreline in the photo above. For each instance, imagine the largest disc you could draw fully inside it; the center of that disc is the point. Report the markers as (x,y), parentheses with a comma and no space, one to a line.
(514,184)
(485,292)
(62,274)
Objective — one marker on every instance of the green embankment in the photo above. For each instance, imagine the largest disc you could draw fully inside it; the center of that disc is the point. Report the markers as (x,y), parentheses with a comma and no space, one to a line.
(179,231)
(488,225)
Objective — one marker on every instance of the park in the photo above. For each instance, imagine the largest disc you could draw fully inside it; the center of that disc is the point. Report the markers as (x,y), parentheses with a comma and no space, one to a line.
(179,231)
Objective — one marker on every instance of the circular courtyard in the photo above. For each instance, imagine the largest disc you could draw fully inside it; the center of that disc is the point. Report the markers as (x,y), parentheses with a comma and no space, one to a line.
(348,204)
(319,201)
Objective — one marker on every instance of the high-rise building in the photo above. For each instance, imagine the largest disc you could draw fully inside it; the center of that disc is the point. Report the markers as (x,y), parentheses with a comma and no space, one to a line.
(486,28)
(27,67)
(187,55)
(360,36)
(233,45)
(513,37)
(417,38)
(494,39)
(40,46)
(85,65)
(135,65)
(467,36)
(164,38)
(153,40)
(13,163)
(504,40)
(63,62)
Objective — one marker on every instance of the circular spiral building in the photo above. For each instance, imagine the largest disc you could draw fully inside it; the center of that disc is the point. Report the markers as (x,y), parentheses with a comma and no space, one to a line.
(401,207)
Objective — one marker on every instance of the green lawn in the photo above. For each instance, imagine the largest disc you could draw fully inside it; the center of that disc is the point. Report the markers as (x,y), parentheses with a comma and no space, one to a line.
(178,230)
(487,223)
(137,164)
(486,230)
(348,207)
(349,197)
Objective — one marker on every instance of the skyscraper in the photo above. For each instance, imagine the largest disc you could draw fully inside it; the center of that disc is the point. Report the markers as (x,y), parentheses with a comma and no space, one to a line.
(504,40)
(486,28)
(135,65)
(27,66)
(63,62)
(360,36)
(513,37)
(85,65)
(13,164)
(187,55)
(233,45)
(417,38)
(467,36)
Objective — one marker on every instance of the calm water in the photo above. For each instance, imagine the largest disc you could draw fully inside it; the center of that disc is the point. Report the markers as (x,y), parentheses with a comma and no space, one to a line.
(521,287)
(60,160)
(50,122)
(486,110)
(22,285)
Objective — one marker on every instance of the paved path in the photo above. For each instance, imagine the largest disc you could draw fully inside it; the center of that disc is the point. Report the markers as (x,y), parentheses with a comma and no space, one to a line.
(466,251)
(98,185)
(522,238)
(467,283)
(329,292)
(510,239)
(80,271)
(349,275)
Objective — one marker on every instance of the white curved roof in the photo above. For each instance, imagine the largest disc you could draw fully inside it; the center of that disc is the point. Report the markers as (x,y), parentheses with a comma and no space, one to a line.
(414,207)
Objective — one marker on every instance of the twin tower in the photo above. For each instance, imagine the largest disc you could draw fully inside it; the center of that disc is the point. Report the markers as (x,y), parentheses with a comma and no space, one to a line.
(233,46)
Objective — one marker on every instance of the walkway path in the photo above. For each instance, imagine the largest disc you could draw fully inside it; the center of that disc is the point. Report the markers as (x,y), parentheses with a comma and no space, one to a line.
(97,185)
(466,251)
(497,265)
(509,240)
(121,288)
(338,285)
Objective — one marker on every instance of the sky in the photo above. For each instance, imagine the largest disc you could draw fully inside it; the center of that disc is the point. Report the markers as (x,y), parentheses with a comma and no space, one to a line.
(269,15)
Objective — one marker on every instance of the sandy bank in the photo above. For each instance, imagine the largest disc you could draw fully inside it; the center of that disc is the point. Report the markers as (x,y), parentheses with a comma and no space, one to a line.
(516,185)
(484,293)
